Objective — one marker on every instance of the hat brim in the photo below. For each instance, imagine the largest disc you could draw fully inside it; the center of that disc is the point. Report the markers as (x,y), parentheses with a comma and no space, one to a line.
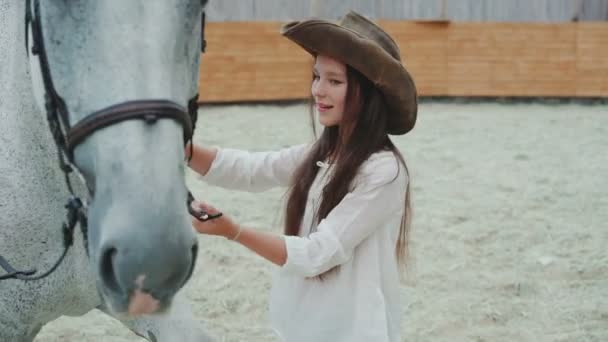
(389,75)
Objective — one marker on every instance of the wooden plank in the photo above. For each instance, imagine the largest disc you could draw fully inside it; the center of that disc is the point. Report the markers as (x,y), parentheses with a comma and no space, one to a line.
(251,61)
(505,59)
(424,53)
(592,59)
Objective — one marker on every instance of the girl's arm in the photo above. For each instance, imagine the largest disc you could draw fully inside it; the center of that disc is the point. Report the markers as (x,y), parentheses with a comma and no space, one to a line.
(377,198)
(202,158)
(270,247)
(247,171)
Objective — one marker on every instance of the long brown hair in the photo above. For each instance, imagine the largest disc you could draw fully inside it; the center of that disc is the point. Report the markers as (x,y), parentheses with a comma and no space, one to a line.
(361,133)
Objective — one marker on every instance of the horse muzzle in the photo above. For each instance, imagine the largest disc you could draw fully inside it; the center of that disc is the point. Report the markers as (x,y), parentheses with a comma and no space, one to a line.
(140,275)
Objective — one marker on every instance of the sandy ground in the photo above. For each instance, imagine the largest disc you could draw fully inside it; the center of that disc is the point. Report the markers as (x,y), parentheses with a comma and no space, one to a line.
(510,229)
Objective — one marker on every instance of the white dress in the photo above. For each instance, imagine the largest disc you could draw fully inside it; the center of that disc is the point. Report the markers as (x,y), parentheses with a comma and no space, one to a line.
(360,302)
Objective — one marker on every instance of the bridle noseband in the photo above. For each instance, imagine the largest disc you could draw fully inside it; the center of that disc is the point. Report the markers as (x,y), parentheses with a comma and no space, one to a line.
(149,110)
(67,137)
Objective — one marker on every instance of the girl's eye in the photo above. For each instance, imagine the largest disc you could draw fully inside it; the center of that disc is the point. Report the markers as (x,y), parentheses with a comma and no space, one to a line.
(315,77)
(335,82)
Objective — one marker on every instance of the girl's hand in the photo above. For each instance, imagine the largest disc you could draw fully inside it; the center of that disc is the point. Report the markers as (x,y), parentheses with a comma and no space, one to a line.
(221,226)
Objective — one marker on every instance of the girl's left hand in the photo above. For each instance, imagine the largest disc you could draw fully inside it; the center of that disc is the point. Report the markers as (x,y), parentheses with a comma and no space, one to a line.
(221,226)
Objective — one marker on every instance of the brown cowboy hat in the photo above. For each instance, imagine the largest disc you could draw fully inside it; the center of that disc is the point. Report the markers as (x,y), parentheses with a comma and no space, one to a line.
(363,45)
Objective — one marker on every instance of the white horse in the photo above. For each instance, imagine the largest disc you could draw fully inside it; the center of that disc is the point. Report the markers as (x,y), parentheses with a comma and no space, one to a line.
(115,78)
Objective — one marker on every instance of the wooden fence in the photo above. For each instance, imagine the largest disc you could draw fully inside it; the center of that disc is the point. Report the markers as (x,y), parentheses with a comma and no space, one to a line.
(251,61)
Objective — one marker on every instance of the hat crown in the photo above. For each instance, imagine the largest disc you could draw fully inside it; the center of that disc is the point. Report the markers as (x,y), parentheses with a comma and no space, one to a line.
(370,30)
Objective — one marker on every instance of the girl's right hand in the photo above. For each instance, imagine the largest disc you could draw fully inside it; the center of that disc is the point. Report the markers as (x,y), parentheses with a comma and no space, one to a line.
(221,226)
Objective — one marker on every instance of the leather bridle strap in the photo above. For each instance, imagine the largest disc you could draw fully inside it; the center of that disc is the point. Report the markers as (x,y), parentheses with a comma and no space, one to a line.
(148,110)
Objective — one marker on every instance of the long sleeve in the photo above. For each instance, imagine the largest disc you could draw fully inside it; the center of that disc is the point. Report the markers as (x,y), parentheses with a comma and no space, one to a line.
(378,195)
(254,171)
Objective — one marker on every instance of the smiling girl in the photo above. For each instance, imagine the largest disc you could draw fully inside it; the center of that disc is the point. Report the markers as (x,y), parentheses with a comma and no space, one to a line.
(347,212)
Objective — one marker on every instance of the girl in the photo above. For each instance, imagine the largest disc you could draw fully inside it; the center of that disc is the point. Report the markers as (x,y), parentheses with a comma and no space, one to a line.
(347,213)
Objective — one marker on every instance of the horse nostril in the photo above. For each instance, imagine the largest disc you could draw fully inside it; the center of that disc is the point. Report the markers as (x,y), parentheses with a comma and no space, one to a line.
(156,275)
(108,275)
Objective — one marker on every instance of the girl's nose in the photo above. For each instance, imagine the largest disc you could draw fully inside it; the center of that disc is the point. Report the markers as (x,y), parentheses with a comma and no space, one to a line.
(318,90)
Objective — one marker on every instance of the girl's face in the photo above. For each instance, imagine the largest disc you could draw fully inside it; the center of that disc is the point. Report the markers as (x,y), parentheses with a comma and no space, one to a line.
(328,89)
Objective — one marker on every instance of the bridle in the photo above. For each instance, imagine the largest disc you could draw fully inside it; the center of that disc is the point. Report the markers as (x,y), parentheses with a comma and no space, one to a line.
(67,137)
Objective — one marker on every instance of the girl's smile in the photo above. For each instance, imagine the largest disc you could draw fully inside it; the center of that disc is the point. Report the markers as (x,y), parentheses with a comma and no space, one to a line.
(321,107)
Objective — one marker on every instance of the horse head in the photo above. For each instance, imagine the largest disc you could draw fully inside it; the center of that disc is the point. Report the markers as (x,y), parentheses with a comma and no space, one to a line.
(117,81)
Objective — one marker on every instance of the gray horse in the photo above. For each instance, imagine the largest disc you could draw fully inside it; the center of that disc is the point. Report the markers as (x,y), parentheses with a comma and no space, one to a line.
(97,63)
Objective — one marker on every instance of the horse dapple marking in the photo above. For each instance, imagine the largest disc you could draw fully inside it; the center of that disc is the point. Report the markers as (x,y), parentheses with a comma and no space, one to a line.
(101,56)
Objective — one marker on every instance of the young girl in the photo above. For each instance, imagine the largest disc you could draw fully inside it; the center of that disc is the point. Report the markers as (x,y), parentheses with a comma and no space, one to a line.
(347,213)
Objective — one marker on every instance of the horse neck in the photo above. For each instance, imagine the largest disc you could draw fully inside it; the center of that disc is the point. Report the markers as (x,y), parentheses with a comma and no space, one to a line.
(32,190)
